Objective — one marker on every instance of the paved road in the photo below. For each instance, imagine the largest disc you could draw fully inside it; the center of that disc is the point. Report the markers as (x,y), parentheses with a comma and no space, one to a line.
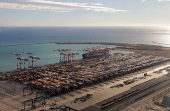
(103,91)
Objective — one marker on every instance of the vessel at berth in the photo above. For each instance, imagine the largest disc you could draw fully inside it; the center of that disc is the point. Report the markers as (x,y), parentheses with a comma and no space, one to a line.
(96,52)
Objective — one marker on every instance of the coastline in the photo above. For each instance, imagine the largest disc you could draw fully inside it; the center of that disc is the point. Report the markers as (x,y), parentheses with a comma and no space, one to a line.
(144,49)
(101,43)
(106,96)
(95,100)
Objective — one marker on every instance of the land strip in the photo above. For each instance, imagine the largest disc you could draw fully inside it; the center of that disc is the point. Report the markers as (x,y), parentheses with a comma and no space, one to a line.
(144,49)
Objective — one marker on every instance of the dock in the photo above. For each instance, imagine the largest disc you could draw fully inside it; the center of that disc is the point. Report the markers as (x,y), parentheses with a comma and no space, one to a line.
(68,81)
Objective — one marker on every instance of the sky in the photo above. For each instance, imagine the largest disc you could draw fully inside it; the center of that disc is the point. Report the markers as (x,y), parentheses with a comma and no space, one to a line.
(84,12)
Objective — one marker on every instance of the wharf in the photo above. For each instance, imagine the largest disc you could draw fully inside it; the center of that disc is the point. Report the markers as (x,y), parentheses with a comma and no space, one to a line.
(102,91)
(93,76)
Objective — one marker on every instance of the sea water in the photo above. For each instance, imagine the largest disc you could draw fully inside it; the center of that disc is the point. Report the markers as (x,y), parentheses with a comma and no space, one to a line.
(22,35)
(27,35)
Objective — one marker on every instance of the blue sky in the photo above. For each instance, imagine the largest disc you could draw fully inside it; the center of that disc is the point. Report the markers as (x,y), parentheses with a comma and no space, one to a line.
(84,12)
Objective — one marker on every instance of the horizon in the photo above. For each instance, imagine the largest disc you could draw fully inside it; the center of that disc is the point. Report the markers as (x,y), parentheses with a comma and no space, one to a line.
(63,13)
(88,26)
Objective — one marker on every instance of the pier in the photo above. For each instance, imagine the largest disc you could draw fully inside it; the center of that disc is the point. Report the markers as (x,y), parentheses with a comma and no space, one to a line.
(43,83)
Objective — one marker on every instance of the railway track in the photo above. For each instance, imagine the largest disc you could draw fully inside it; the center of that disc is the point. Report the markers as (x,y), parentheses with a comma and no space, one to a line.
(123,100)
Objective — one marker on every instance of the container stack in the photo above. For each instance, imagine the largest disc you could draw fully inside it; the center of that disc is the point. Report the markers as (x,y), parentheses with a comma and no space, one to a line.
(56,80)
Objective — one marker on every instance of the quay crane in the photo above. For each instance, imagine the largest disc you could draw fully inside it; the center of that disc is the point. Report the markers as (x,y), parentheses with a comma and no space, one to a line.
(66,55)
(33,57)
(19,61)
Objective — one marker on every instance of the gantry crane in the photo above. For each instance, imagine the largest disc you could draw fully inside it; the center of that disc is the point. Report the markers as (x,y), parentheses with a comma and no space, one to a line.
(20,61)
(66,55)
(33,57)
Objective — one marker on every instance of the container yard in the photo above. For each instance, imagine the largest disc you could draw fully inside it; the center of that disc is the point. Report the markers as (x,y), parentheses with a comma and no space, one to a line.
(60,79)
(102,93)
(41,84)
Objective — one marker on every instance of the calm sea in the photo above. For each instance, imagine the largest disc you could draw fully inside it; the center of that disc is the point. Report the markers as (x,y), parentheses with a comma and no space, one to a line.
(24,35)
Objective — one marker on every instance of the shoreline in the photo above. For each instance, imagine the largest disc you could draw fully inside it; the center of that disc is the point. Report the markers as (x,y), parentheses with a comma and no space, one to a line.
(101,43)
(41,66)
(110,72)
(143,49)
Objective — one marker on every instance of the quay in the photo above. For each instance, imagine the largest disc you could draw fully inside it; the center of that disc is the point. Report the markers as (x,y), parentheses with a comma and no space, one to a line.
(60,79)
(67,78)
